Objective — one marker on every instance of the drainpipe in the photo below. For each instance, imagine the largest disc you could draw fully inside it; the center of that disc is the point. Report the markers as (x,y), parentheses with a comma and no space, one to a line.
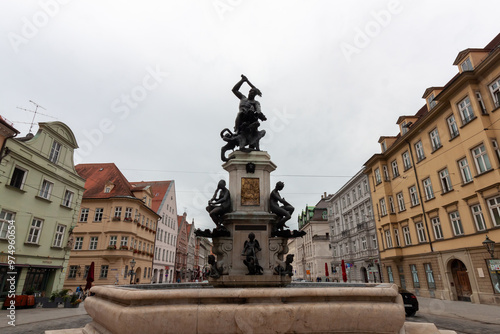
(420,196)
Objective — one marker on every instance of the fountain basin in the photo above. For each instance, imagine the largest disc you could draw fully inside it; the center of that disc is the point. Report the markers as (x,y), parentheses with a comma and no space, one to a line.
(200,308)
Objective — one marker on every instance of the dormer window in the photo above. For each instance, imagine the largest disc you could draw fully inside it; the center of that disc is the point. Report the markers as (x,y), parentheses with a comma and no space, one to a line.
(384,146)
(466,65)
(430,101)
(108,187)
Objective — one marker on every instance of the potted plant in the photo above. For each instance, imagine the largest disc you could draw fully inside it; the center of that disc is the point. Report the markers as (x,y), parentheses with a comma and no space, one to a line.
(72,302)
(127,219)
(112,247)
(124,247)
(51,303)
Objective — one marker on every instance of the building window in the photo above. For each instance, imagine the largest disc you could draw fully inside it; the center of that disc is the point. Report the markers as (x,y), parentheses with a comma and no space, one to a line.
(367,189)
(406,160)
(414,275)
(456,223)
(395,170)
(436,226)
(494,204)
(386,173)
(364,244)
(402,277)
(5,218)
(430,276)
(452,126)
(421,232)
(383,146)
(392,208)
(93,243)
(413,196)
(374,241)
(435,141)
(406,235)
(54,152)
(495,92)
(401,201)
(355,246)
(18,178)
(383,208)
(465,170)
(360,193)
(397,238)
(84,215)
(431,101)
(46,189)
(78,243)
(478,217)
(466,111)
(388,239)
(68,198)
(59,236)
(479,99)
(496,148)
(35,231)
(86,272)
(348,199)
(128,213)
(98,214)
(124,241)
(444,176)
(112,240)
(419,150)
(104,271)
(72,271)
(378,179)
(429,193)
(390,275)
(481,159)
(118,212)
(466,65)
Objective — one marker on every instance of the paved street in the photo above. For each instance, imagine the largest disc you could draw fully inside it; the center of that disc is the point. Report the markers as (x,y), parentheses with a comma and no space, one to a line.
(463,317)
(38,320)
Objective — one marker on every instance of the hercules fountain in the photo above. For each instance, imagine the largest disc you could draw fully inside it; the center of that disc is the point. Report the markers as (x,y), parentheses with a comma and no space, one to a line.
(250,288)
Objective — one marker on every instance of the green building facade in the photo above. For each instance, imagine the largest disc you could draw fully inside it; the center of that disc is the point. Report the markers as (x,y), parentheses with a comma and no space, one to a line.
(40,196)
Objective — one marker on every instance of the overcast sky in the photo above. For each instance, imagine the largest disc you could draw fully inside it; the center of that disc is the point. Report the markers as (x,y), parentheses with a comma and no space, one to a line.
(147,84)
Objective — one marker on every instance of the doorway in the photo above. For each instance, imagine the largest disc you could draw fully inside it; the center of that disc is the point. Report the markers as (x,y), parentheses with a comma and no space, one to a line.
(364,275)
(461,280)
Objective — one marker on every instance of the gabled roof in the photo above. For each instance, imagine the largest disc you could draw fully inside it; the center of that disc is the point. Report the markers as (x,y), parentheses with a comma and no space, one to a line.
(97,176)
(159,189)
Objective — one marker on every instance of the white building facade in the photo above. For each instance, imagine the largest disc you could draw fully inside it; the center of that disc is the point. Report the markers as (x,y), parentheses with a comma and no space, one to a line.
(353,233)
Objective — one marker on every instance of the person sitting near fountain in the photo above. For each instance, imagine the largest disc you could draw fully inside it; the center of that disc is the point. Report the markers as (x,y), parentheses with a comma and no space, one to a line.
(214,271)
(219,206)
(250,249)
(284,212)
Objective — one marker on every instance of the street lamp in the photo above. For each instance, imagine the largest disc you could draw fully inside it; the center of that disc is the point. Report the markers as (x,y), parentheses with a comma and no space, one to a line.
(490,246)
(132,265)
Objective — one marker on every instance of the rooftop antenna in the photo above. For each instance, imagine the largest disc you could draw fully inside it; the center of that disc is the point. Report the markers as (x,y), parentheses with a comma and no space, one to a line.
(34,112)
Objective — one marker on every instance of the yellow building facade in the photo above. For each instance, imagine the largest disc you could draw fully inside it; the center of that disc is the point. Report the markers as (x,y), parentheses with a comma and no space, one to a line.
(436,187)
(116,225)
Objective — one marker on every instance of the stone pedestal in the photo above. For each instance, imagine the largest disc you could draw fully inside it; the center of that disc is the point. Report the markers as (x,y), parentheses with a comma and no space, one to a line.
(250,188)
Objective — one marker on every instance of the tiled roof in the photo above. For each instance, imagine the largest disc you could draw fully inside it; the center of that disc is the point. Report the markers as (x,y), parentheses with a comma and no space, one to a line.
(97,176)
(494,43)
(158,188)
